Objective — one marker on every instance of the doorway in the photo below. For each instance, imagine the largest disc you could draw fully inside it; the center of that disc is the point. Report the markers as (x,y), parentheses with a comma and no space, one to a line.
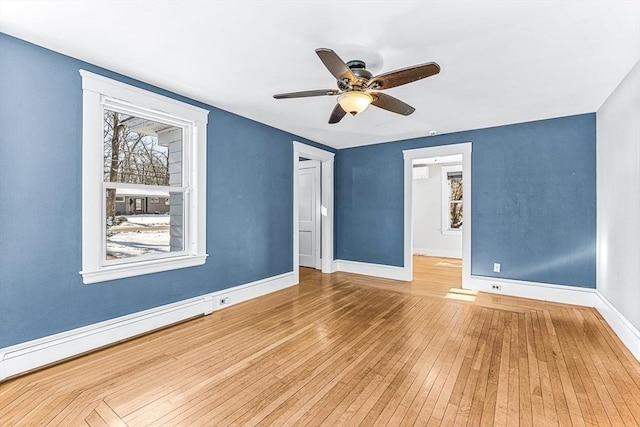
(411,157)
(309,213)
(438,213)
(325,158)
(438,219)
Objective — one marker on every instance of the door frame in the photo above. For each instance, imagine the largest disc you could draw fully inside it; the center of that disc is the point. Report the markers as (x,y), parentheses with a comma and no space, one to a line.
(409,156)
(326,159)
(317,228)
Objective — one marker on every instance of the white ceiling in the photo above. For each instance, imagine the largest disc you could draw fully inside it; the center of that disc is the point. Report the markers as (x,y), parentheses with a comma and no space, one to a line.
(502,62)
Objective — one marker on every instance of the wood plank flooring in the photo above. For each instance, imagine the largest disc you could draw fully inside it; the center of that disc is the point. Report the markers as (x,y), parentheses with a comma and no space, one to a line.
(349,350)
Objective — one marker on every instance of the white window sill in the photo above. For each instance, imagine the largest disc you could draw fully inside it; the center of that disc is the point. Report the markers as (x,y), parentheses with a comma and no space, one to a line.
(142,267)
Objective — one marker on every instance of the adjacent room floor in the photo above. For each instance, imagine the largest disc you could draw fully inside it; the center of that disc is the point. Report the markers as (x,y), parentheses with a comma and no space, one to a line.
(350,350)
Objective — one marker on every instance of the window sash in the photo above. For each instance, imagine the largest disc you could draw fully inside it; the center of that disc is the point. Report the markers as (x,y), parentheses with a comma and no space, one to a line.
(132,188)
(99,93)
(448,172)
(188,137)
(120,106)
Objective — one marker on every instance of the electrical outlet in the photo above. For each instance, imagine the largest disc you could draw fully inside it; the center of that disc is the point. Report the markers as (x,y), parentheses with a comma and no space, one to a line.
(496,267)
(224,301)
(495,287)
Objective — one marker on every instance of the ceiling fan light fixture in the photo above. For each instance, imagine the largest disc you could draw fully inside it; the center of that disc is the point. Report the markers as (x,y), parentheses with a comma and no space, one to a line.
(355,102)
(357,88)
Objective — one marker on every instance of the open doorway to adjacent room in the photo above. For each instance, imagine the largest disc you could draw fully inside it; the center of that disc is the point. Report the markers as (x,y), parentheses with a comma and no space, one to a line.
(312,208)
(309,213)
(438,218)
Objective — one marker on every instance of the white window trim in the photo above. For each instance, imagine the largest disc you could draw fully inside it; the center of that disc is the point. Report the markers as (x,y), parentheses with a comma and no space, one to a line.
(445,199)
(99,91)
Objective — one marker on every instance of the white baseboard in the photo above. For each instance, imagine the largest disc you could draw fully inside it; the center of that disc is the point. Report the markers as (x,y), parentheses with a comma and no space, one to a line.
(534,290)
(30,355)
(34,354)
(334,266)
(437,252)
(377,270)
(628,334)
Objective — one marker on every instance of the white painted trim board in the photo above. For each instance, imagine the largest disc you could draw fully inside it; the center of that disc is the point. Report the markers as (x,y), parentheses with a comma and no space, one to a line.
(34,354)
(464,149)
(327,190)
(375,270)
(30,355)
(588,297)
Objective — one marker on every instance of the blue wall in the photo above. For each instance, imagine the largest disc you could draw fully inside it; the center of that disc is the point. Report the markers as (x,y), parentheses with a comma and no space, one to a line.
(533,200)
(249,203)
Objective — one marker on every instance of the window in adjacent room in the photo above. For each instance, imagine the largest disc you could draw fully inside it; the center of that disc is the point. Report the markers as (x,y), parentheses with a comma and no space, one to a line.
(144,178)
(452,199)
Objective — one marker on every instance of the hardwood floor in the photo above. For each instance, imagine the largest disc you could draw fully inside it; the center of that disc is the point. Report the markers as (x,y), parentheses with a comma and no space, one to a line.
(350,350)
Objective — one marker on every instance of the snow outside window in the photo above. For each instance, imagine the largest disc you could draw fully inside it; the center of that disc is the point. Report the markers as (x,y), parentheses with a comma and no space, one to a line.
(144,178)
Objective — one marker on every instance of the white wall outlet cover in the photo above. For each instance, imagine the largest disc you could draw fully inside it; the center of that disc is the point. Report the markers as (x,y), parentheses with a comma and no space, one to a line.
(496,267)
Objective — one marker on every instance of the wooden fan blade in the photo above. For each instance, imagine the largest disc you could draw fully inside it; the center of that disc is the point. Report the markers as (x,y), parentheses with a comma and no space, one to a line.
(335,65)
(389,103)
(403,76)
(337,114)
(306,93)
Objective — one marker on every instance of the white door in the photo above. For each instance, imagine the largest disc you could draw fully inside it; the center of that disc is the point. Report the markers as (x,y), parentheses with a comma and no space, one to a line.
(309,213)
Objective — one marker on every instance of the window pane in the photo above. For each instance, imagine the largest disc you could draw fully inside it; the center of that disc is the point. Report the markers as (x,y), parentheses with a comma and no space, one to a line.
(455,187)
(141,151)
(455,215)
(146,222)
(455,201)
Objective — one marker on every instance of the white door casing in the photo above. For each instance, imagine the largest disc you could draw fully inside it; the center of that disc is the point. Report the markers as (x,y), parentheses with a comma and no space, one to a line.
(326,157)
(437,151)
(309,213)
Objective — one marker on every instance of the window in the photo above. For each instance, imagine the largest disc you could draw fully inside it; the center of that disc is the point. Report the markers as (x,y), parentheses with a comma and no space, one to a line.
(143,181)
(452,199)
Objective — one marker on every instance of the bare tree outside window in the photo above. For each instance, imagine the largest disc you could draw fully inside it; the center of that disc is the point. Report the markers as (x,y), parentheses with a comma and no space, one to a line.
(145,153)
(455,201)
(131,157)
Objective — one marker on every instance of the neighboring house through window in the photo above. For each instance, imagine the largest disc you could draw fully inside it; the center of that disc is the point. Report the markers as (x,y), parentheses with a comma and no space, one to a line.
(144,179)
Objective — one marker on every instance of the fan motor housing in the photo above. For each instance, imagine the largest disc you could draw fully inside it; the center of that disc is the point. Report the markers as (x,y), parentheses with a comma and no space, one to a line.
(359,69)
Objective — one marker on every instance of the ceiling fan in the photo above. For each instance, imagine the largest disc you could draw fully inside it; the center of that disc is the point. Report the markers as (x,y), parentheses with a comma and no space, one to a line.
(357,87)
